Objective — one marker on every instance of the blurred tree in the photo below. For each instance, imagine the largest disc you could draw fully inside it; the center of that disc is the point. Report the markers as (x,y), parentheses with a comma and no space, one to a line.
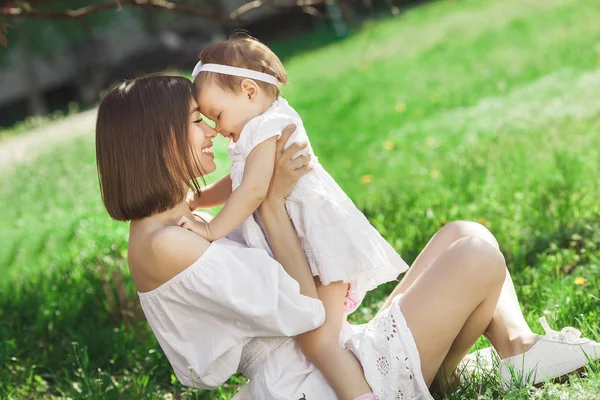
(50,28)
(53,28)
(31,38)
(79,11)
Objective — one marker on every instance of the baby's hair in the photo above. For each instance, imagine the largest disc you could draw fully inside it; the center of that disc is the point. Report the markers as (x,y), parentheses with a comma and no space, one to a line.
(240,51)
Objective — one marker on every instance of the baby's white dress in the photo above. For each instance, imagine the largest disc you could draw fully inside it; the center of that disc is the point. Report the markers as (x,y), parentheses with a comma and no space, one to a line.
(339,242)
(234,309)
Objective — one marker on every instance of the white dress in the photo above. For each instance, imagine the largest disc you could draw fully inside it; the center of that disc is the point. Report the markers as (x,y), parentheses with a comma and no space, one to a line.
(232,309)
(339,242)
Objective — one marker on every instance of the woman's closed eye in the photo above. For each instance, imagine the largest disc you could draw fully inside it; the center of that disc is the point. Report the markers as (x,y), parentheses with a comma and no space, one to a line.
(198,121)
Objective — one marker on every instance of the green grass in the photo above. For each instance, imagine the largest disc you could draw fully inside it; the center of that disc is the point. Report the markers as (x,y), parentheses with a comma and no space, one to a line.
(481,110)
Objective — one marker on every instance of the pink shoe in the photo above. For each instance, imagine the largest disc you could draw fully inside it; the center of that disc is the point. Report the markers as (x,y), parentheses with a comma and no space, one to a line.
(366,396)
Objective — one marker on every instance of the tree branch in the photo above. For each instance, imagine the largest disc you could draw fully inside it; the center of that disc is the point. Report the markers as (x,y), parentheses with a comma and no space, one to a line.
(156,5)
(30,9)
(3,39)
(272,4)
(47,9)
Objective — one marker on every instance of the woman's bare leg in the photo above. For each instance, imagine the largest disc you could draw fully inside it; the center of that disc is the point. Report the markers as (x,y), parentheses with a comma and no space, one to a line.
(508,331)
(457,294)
(439,243)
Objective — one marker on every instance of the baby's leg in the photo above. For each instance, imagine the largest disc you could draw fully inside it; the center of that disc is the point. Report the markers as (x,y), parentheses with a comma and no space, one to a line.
(321,346)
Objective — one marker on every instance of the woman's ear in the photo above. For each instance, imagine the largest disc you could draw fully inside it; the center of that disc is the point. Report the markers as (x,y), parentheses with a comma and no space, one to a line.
(250,89)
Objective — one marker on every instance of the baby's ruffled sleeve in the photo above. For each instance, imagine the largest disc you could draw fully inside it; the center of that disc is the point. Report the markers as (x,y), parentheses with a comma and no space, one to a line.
(262,128)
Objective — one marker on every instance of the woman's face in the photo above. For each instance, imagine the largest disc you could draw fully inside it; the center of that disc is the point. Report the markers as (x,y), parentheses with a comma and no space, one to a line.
(202,136)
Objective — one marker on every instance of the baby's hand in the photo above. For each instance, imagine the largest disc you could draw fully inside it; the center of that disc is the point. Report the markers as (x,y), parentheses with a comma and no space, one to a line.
(194,225)
(192,200)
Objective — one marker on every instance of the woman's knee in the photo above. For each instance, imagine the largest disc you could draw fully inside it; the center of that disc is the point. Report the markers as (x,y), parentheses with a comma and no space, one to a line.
(481,260)
(456,230)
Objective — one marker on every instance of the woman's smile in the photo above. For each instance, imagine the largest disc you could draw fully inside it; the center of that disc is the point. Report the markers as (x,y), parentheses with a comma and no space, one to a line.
(207,150)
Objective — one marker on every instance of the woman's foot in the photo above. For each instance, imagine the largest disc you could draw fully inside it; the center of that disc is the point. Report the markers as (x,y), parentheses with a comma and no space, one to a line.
(519,345)
(554,355)
(480,362)
(487,359)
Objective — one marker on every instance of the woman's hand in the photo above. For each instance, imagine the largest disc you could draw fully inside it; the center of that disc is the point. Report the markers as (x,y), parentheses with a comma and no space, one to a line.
(287,171)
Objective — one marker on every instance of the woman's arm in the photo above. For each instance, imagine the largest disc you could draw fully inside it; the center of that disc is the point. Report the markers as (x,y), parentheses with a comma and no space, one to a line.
(280,232)
(215,194)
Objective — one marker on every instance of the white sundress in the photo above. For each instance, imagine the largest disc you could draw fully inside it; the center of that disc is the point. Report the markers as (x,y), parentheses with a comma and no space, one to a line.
(339,242)
(232,309)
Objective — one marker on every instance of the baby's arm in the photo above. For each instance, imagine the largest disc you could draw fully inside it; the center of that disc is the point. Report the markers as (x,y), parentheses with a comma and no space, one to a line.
(247,197)
(215,194)
(339,366)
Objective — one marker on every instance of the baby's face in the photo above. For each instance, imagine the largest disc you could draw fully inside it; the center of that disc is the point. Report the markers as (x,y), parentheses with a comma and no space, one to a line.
(230,111)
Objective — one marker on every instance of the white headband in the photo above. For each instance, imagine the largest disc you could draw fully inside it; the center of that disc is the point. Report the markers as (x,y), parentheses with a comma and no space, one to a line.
(235,71)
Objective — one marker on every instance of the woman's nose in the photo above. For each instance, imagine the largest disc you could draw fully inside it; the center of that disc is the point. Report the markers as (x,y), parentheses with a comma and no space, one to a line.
(209,132)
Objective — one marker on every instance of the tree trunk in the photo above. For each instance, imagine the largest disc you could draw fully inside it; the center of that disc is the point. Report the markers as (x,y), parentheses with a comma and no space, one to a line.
(35,97)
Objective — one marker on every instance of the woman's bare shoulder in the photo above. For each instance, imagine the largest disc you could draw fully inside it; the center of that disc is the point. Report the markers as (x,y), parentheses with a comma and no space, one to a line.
(157,256)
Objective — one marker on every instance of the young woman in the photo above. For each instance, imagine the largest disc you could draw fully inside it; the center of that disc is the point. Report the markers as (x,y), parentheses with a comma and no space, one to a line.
(217,308)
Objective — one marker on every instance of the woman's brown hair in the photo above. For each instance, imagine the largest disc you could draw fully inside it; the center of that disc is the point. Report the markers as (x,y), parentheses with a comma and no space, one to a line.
(143,152)
(240,51)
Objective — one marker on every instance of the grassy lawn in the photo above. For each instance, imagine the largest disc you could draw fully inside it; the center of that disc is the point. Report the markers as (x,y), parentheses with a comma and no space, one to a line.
(472,109)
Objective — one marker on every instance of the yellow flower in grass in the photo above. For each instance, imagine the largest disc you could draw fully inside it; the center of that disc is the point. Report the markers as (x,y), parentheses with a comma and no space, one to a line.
(580,280)
(366,179)
(388,145)
(400,107)
(430,142)
(485,222)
